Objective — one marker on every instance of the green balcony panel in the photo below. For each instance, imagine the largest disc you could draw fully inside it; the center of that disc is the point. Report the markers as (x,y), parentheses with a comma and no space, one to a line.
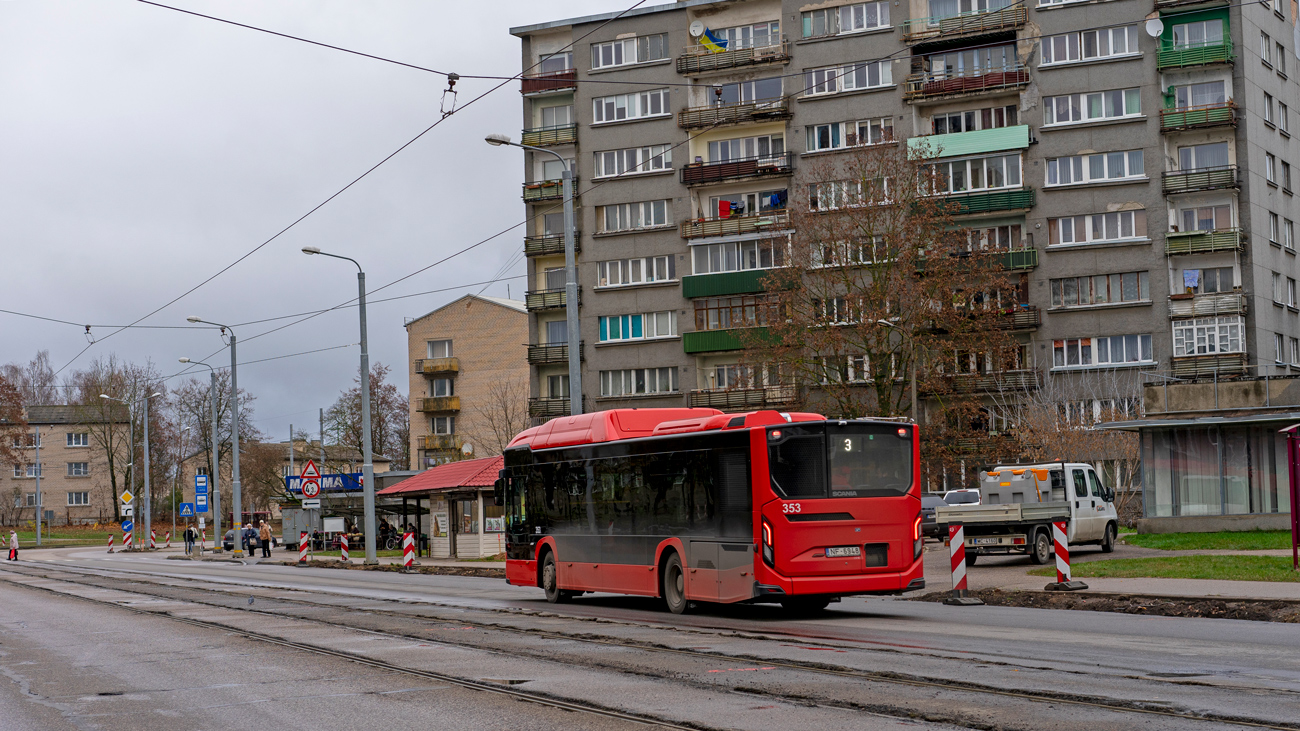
(1200,242)
(1003,200)
(717,341)
(1020,259)
(1172,57)
(971,143)
(727,283)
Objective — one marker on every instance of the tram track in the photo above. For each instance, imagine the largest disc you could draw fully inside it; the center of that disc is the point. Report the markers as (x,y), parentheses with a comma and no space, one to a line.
(224,599)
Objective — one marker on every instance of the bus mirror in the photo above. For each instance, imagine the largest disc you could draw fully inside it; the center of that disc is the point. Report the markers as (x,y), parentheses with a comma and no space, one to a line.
(499,492)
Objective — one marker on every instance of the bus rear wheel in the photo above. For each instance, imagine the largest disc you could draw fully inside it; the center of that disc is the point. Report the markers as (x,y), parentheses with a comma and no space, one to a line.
(674,585)
(551,581)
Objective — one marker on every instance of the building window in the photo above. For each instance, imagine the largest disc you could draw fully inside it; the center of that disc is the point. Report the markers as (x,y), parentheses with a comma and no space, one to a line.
(738,256)
(1102,351)
(1265,48)
(557,116)
(440,387)
(1277,288)
(629,51)
(1270,168)
(78,469)
(1207,218)
(647,326)
(742,204)
(638,381)
(834,79)
(78,498)
(1092,106)
(27,470)
(1201,33)
(974,119)
(1277,348)
(1288,234)
(1100,168)
(443,425)
(748,92)
(746,148)
(1210,93)
(839,135)
(557,386)
(1283,122)
(1203,157)
(1207,281)
(632,216)
(845,19)
(1281,59)
(1090,45)
(1273,226)
(1101,289)
(722,313)
(626,272)
(1286,176)
(1268,108)
(1097,228)
(735,375)
(78,439)
(634,160)
(30,500)
(851,253)
(638,105)
(556,63)
(980,173)
(758,35)
(1294,352)
(439,349)
(1290,292)
(1208,335)
(26,441)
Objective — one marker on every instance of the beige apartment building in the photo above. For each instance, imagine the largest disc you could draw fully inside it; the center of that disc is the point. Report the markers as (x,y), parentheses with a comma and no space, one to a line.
(469,380)
(75,484)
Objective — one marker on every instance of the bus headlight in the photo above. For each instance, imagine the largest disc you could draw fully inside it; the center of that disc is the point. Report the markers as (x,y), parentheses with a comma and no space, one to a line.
(769,551)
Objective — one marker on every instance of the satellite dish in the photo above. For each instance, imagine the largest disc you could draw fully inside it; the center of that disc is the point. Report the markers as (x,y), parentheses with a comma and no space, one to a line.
(467,449)
(697,29)
(1155,27)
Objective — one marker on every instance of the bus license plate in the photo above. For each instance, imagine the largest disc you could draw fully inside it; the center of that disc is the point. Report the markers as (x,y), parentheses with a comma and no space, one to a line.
(843,551)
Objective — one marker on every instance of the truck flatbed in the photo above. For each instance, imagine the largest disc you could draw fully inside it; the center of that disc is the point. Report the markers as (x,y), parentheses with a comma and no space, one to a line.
(1002,514)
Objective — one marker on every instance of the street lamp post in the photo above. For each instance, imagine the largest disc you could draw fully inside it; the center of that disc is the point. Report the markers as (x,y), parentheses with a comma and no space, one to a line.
(911,367)
(367,458)
(180,461)
(214,493)
(40,509)
(237,507)
(570,272)
(130,410)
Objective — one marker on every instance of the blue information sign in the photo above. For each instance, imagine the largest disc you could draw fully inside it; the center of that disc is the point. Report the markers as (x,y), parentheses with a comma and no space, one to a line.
(187,510)
(201,503)
(128,526)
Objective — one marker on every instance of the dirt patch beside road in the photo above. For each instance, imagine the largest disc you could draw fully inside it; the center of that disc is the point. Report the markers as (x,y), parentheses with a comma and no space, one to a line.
(1135,604)
(487,572)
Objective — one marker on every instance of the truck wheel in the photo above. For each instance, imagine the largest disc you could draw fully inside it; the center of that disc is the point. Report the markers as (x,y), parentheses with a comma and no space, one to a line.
(1108,541)
(970,558)
(1042,551)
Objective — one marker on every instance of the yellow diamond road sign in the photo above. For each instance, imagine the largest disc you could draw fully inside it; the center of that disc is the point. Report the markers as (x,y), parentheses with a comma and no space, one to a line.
(127,497)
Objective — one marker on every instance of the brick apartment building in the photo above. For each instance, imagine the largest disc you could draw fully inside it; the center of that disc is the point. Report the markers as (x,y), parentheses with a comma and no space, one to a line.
(75,484)
(469,378)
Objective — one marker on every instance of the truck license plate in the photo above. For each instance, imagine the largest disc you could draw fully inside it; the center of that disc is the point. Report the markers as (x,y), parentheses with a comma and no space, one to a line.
(843,551)
(986,541)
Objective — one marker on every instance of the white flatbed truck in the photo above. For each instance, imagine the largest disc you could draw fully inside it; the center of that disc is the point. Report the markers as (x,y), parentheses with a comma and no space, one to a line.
(1020,503)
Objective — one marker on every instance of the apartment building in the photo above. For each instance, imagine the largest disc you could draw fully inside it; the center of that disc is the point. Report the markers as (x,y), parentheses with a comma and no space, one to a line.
(469,379)
(1131,157)
(76,487)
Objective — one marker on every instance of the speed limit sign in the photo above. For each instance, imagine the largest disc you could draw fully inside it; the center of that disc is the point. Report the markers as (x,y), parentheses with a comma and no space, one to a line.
(310,488)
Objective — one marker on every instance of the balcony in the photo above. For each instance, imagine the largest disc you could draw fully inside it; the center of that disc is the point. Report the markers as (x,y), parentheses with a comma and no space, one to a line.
(1174,182)
(550,244)
(724,284)
(743,399)
(1018,259)
(437,366)
(439,404)
(1026,317)
(544,299)
(749,112)
(771,221)
(940,84)
(745,167)
(1204,305)
(542,354)
(1018,380)
(545,190)
(1177,57)
(1204,242)
(565,80)
(698,59)
(546,408)
(970,204)
(1216,364)
(441,443)
(1162,4)
(547,136)
(1206,115)
(964,25)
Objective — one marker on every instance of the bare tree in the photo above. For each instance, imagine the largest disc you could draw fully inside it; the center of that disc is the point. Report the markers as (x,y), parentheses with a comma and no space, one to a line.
(500,415)
(192,402)
(35,380)
(390,418)
(261,470)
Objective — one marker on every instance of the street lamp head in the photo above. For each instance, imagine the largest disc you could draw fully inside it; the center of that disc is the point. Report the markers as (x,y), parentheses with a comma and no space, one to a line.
(194,318)
(104,395)
(183,359)
(310,250)
(496,140)
(159,393)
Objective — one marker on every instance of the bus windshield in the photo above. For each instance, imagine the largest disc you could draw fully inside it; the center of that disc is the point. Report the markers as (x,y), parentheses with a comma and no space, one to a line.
(852,459)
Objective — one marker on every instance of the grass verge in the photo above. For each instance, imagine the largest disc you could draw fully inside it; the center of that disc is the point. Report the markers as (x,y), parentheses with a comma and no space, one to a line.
(1135,604)
(1230,568)
(1255,540)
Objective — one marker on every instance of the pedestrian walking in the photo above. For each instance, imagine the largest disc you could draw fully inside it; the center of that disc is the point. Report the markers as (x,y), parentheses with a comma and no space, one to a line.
(191,537)
(13,546)
(264,533)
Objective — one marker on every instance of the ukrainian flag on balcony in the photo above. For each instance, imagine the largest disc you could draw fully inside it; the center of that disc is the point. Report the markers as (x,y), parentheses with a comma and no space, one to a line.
(712,42)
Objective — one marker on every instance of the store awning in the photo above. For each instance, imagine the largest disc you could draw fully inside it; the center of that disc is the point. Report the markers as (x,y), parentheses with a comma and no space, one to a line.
(1137,424)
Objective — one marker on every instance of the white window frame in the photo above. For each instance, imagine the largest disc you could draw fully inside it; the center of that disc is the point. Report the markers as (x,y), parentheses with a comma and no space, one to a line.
(837,135)
(633,161)
(1130,101)
(1073,46)
(737,256)
(1065,231)
(1112,283)
(654,326)
(615,273)
(1209,335)
(1270,167)
(634,216)
(78,469)
(632,106)
(628,51)
(639,382)
(829,80)
(79,498)
(1081,168)
(972,166)
(442,426)
(1100,352)
(78,439)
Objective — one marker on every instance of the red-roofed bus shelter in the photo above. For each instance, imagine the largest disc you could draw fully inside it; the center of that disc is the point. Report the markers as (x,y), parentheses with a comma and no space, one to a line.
(451,508)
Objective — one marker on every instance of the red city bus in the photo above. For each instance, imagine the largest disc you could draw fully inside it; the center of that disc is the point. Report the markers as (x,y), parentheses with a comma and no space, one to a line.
(698,505)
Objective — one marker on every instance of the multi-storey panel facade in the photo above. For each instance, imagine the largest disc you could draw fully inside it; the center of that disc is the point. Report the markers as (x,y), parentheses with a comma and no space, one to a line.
(1133,160)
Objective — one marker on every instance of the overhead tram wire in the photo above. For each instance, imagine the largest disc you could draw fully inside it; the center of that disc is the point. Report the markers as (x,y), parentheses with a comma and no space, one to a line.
(356,180)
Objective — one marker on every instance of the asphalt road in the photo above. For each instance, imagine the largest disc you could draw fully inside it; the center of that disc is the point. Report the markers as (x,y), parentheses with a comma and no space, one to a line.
(865,663)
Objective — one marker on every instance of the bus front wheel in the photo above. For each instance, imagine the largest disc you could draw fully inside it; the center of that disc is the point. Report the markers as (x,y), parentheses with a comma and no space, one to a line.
(551,581)
(674,589)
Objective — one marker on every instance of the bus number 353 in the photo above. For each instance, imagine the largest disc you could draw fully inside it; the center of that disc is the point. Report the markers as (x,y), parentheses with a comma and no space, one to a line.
(792,508)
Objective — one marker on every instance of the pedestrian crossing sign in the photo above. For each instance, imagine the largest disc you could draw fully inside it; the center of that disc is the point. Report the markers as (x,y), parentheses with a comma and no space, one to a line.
(187,510)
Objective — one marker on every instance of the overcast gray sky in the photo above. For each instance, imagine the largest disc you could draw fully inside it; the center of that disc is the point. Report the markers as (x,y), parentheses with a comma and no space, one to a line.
(142,150)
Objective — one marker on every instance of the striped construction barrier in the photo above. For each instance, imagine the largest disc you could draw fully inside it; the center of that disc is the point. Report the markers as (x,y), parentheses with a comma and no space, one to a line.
(1061,544)
(126,540)
(343,546)
(957,559)
(110,542)
(408,550)
(303,545)
(153,540)
(168,540)
(203,538)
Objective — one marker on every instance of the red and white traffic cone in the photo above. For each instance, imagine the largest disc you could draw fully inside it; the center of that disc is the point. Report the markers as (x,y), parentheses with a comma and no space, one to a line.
(302,548)
(153,540)
(110,542)
(1062,546)
(169,540)
(343,545)
(408,550)
(957,557)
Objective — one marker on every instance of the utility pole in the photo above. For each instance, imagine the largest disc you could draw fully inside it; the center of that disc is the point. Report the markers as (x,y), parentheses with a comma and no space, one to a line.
(40,509)
(322,440)
(148,504)
(292,470)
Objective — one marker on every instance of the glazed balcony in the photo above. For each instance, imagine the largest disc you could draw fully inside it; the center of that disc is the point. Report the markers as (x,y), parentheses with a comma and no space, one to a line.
(1204,242)
(439,404)
(441,443)
(743,399)
(1178,57)
(1217,365)
(566,80)
(1174,182)
(761,166)
(965,25)
(549,245)
(698,59)
(970,204)
(545,190)
(437,366)
(1205,305)
(566,134)
(733,225)
(750,112)
(941,84)
(1206,115)
(546,408)
(545,299)
(543,354)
